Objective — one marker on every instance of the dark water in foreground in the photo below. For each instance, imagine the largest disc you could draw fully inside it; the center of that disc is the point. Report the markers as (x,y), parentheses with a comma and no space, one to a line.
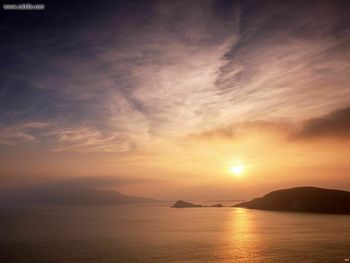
(157,233)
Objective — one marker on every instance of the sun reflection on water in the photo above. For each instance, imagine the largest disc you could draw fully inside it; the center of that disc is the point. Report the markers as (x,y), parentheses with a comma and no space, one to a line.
(243,243)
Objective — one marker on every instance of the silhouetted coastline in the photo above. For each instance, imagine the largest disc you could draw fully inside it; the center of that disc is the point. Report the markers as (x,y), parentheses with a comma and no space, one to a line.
(303,199)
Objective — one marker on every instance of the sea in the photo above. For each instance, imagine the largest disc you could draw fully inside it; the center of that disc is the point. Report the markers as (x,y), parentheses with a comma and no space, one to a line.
(158,233)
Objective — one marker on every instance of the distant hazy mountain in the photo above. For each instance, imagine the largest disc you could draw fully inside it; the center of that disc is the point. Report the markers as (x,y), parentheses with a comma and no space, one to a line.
(303,199)
(55,194)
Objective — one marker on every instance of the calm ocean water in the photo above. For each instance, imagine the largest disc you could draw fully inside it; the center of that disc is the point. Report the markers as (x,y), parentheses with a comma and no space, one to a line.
(157,233)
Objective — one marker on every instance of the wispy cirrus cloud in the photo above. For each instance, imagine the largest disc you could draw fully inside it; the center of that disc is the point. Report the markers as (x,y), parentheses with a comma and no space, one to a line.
(59,138)
(161,70)
(19,133)
(84,139)
(286,55)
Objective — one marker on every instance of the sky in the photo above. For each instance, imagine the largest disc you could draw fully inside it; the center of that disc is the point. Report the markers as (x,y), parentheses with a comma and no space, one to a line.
(162,98)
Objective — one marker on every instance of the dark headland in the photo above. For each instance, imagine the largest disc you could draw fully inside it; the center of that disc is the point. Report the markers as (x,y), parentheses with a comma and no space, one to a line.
(303,199)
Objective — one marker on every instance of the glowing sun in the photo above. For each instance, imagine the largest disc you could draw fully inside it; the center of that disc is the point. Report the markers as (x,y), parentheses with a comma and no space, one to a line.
(237,169)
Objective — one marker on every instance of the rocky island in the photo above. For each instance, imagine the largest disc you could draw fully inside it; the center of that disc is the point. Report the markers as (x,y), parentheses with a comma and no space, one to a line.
(184,204)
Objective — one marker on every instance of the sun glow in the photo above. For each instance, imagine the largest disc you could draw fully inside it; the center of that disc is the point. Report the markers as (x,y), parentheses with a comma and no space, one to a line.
(237,169)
